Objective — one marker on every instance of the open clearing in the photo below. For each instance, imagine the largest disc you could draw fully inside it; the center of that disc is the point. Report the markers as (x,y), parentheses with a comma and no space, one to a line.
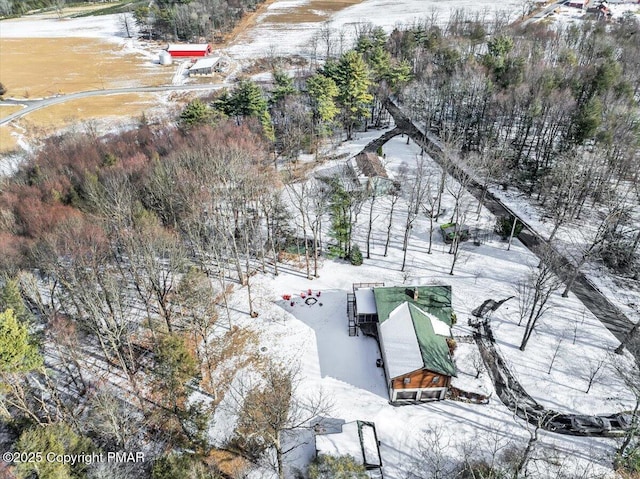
(67,65)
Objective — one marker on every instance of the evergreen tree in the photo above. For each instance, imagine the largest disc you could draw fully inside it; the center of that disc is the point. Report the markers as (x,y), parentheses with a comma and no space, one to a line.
(352,78)
(247,100)
(330,467)
(18,350)
(356,255)
(56,439)
(323,92)
(195,113)
(283,86)
(10,298)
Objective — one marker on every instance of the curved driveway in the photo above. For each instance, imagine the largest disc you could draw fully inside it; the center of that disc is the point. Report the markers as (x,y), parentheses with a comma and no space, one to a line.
(33,105)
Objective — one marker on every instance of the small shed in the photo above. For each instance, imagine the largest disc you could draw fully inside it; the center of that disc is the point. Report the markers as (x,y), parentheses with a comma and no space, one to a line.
(370,172)
(357,439)
(205,66)
(189,50)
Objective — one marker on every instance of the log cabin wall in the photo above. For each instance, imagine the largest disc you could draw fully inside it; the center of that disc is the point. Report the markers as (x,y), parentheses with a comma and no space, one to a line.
(421,379)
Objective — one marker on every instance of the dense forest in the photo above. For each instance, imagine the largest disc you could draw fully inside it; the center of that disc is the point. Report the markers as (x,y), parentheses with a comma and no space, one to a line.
(119,252)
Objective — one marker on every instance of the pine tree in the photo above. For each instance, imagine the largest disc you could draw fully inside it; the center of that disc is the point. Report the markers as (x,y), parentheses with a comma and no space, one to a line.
(283,86)
(10,298)
(323,91)
(195,113)
(247,100)
(18,350)
(352,78)
(53,439)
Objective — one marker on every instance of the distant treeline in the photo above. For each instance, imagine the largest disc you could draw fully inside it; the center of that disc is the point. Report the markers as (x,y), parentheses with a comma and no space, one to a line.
(190,20)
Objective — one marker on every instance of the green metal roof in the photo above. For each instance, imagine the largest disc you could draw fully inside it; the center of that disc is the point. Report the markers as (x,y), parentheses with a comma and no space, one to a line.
(435,300)
(434,348)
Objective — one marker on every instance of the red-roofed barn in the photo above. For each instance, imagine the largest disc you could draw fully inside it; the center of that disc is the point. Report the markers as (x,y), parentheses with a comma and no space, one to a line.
(189,50)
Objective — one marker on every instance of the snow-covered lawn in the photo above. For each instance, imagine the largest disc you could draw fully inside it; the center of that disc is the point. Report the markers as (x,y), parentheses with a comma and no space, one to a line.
(315,337)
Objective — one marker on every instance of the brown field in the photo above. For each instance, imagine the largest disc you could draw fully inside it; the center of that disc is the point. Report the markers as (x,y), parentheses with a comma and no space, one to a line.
(8,109)
(67,65)
(7,141)
(314,11)
(129,105)
(41,67)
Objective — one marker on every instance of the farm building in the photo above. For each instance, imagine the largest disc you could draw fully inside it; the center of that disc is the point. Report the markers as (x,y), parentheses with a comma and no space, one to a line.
(412,326)
(189,50)
(577,3)
(205,66)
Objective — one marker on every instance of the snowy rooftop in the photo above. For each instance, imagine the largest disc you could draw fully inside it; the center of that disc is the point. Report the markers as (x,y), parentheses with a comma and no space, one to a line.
(366,301)
(209,62)
(357,439)
(345,443)
(399,342)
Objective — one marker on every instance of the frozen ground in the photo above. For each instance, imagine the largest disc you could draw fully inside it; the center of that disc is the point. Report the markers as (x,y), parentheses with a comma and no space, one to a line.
(570,240)
(281,38)
(315,337)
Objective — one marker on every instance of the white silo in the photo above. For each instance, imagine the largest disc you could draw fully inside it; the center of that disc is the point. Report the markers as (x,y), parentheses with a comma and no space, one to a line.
(165,58)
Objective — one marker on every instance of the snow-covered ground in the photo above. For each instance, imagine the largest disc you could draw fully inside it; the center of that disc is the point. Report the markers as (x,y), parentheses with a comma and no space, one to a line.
(280,38)
(315,338)
(570,240)
(568,15)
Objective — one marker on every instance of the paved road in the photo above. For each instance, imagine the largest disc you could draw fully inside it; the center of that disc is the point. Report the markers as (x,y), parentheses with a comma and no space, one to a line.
(33,105)
(543,13)
(610,316)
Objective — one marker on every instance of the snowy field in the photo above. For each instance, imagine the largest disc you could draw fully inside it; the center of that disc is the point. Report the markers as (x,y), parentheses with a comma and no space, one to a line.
(280,38)
(315,338)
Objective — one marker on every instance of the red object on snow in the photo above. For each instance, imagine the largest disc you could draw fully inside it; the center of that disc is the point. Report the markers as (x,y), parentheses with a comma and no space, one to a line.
(302,295)
(309,291)
(286,297)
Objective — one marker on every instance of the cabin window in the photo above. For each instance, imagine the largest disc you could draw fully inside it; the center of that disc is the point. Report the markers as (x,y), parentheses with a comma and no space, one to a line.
(406,381)
(435,379)
(406,395)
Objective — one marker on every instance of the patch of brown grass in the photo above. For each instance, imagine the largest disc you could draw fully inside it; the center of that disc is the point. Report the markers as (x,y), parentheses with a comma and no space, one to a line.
(314,11)
(8,109)
(233,351)
(7,140)
(47,120)
(227,462)
(39,67)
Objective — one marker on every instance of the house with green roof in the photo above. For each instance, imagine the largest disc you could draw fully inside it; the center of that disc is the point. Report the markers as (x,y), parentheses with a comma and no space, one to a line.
(412,325)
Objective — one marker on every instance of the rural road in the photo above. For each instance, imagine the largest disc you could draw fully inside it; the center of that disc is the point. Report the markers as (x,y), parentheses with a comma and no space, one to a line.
(33,105)
(608,314)
(543,13)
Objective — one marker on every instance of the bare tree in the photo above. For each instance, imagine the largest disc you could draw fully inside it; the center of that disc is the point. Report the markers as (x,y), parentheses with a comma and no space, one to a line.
(394,195)
(593,371)
(534,294)
(269,409)
(416,193)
